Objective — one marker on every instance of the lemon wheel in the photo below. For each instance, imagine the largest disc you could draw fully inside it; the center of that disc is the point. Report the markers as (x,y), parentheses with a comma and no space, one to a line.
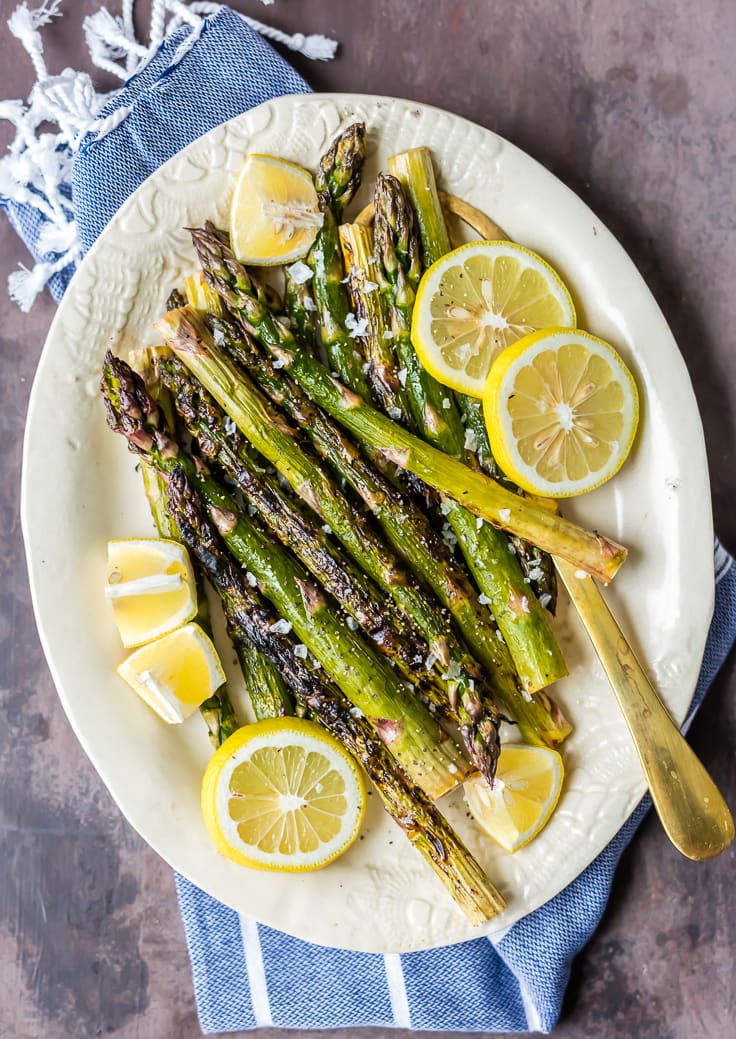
(475,302)
(562,411)
(283,795)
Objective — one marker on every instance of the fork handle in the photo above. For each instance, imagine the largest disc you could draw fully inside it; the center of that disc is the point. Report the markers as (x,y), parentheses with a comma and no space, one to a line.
(691,809)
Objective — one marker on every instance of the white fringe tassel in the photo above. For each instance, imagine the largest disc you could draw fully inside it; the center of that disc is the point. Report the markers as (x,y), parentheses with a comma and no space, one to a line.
(36,171)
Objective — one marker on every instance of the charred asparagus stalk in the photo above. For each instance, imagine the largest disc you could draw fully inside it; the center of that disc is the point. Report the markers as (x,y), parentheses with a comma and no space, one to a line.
(403,522)
(521,619)
(217,710)
(403,723)
(587,550)
(415,172)
(336,181)
(410,808)
(279,443)
(361,599)
(370,311)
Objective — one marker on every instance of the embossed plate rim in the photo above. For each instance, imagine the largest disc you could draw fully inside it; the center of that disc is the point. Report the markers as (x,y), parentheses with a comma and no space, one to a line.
(87,472)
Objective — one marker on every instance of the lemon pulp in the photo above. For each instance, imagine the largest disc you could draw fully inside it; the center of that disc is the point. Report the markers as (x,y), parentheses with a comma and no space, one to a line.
(478,300)
(274,214)
(562,410)
(283,795)
(176,673)
(150,583)
(524,795)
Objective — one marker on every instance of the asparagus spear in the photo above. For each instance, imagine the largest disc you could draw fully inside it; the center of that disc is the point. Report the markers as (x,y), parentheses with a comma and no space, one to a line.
(186,334)
(337,180)
(217,710)
(415,172)
(537,566)
(361,599)
(383,371)
(267,692)
(410,808)
(587,550)
(300,308)
(278,442)
(521,619)
(403,723)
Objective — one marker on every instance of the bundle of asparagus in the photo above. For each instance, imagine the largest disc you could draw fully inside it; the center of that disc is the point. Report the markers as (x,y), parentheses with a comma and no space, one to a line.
(412,642)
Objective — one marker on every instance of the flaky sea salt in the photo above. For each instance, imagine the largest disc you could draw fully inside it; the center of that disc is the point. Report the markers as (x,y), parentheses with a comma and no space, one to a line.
(301,651)
(354,327)
(281,627)
(505,514)
(299,272)
(471,440)
(484,600)
(401,375)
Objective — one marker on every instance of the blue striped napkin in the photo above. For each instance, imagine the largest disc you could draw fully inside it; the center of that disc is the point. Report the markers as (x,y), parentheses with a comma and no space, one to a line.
(247,975)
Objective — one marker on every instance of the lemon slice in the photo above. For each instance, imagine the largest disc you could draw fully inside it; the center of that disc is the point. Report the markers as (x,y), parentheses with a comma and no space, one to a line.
(274,215)
(176,673)
(523,797)
(477,300)
(150,583)
(283,795)
(561,409)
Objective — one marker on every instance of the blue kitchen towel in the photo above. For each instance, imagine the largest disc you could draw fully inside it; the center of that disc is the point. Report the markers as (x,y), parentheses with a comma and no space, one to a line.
(247,975)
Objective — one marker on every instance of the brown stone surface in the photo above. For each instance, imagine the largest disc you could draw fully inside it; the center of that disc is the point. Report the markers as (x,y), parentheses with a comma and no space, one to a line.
(631,104)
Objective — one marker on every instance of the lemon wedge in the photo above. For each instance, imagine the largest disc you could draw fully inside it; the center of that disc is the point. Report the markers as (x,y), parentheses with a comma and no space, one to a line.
(283,795)
(176,673)
(150,583)
(477,300)
(562,410)
(275,214)
(524,795)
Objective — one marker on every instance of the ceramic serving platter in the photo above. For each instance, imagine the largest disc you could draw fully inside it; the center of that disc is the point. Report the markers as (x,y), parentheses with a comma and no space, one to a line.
(80,488)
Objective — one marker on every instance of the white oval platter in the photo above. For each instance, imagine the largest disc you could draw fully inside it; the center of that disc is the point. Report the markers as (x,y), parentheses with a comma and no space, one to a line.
(80,488)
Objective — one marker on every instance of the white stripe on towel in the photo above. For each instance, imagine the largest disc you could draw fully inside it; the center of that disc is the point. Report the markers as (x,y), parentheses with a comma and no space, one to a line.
(256,972)
(397,990)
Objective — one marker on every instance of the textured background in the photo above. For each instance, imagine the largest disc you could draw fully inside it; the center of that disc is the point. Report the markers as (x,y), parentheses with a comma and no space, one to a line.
(631,105)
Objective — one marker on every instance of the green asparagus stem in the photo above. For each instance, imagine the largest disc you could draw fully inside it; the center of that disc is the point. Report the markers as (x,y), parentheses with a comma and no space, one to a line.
(592,552)
(279,443)
(301,309)
(370,311)
(336,181)
(538,720)
(268,694)
(402,722)
(537,566)
(409,807)
(522,621)
(361,599)
(414,170)
(217,710)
